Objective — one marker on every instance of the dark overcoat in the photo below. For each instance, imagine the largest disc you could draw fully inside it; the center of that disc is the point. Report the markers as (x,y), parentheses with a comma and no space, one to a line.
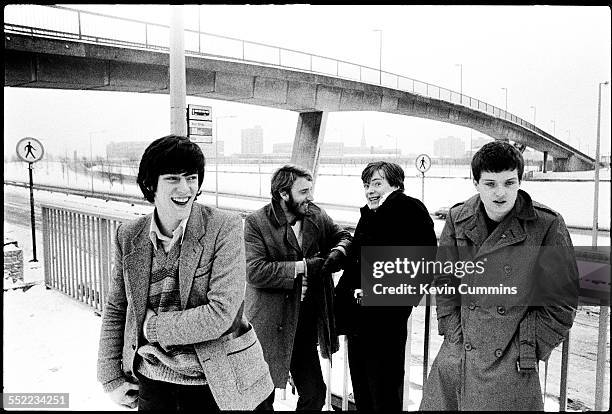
(400,221)
(488,359)
(272,297)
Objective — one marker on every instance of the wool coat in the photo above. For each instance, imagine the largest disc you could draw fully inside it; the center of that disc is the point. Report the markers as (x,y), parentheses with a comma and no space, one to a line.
(211,286)
(400,221)
(377,334)
(272,298)
(489,357)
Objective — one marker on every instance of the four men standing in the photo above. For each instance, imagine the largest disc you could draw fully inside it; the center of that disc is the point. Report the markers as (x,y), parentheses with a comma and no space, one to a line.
(174,335)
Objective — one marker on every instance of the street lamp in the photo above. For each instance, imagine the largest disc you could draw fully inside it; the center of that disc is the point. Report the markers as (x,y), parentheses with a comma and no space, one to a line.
(600,373)
(534,114)
(596,197)
(216,156)
(379,56)
(506,91)
(460,82)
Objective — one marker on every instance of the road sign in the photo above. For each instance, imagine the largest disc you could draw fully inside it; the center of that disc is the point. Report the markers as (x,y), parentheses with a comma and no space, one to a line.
(422,163)
(199,113)
(30,149)
(200,124)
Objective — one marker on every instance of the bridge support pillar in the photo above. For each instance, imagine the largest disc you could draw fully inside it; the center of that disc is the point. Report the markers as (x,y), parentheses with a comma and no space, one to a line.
(309,135)
(545,161)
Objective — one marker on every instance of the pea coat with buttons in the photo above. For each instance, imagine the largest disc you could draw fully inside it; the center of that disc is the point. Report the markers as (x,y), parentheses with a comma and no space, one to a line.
(272,297)
(487,336)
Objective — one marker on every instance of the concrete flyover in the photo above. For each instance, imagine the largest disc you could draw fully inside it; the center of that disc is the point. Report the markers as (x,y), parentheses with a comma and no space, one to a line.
(46,62)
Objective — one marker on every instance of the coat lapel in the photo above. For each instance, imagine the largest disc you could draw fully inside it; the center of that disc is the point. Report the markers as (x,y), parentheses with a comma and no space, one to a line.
(292,239)
(309,232)
(191,251)
(137,265)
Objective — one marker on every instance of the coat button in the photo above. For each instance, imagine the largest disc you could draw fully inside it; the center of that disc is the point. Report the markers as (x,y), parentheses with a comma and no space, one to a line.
(468,346)
(472,306)
(498,353)
(507,268)
(501,310)
(280,328)
(133,347)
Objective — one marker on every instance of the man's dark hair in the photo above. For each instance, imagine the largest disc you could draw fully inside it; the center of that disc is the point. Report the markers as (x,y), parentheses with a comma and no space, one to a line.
(497,156)
(392,172)
(172,154)
(284,177)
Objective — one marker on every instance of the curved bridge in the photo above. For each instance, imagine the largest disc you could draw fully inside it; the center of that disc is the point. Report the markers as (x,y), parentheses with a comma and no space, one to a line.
(72,51)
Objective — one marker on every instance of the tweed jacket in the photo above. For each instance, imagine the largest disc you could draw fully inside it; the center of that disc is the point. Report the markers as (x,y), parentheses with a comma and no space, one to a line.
(272,298)
(211,286)
(488,359)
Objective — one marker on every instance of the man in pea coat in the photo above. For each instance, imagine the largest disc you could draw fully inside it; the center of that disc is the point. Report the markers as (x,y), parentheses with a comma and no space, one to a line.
(492,343)
(377,334)
(290,244)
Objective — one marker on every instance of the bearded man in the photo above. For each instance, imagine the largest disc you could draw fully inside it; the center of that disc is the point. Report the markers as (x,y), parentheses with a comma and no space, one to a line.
(292,246)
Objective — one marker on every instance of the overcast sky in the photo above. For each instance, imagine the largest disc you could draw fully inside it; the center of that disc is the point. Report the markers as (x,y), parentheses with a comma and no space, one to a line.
(550,58)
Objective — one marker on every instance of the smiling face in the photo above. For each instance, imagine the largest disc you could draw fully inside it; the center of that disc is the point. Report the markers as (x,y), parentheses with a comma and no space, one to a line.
(377,188)
(498,192)
(173,199)
(299,198)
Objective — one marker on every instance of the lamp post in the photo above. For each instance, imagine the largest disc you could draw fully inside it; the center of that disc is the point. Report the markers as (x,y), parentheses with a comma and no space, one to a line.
(216,156)
(600,373)
(596,197)
(506,93)
(460,82)
(379,56)
(534,114)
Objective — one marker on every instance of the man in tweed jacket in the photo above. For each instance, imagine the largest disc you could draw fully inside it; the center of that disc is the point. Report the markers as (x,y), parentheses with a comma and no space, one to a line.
(173,333)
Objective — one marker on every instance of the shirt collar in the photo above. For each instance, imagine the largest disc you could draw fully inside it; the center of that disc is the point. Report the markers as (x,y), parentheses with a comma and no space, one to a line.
(156,234)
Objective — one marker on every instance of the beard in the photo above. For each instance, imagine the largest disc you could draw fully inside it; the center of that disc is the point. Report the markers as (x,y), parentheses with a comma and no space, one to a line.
(297,209)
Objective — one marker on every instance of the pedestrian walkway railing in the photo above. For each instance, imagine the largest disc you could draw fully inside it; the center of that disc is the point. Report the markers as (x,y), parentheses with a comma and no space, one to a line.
(78,256)
(77,249)
(73,24)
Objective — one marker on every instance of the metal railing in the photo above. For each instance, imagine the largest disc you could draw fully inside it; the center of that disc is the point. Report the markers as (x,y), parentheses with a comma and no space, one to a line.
(78,258)
(69,23)
(78,255)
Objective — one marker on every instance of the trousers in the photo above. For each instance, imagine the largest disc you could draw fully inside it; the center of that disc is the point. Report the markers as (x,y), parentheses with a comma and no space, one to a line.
(305,366)
(158,395)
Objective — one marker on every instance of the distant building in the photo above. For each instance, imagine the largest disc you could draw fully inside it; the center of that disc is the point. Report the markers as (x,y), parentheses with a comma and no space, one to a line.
(126,150)
(449,147)
(252,140)
(478,142)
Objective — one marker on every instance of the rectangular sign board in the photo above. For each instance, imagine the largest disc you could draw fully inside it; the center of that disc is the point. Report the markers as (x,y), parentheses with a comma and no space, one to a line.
(199,113)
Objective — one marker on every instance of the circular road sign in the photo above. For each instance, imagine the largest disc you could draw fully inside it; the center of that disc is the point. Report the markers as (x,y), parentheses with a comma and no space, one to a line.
(422,163)
(30,149)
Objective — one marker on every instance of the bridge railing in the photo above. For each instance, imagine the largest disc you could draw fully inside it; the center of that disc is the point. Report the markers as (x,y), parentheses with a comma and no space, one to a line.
(64,22)
(78,256)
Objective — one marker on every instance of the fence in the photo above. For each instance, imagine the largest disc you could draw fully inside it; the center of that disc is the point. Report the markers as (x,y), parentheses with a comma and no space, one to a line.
(78,257)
